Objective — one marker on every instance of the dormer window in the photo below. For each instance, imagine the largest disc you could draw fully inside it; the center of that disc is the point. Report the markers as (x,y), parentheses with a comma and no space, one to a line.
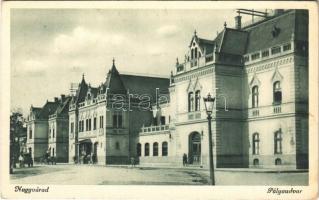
(275,31)
(275,50)
(255,56)
(265,53)
(88,96)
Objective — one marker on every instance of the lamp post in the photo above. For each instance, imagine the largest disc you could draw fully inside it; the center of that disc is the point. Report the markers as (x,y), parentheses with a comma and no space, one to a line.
(209,105)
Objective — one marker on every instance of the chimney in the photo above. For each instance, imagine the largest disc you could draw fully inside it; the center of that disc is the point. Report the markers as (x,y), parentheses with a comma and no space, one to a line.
(62,97)
(56,99)
(238,22)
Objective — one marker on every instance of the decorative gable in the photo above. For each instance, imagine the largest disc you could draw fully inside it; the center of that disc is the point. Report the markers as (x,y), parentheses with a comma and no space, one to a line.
(197,85)
(277,76)
(190,86)
(254,81)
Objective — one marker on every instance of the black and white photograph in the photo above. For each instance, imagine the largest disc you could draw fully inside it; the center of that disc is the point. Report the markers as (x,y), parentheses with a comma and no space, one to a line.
(168,96)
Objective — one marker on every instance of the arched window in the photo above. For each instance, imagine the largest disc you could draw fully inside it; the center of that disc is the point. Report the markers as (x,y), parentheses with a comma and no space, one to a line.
(278,142)
(277,92)
(197,100)
(138,149)
(256,143)
(147,149)
(190,102)
(155,149)
(278,161)
(255,96)
(256,162)
(195,53)
(164,149)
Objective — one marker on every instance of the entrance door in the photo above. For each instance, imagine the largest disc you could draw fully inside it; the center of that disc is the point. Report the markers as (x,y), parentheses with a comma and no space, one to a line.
(194,154)
(85,151)
(95,153)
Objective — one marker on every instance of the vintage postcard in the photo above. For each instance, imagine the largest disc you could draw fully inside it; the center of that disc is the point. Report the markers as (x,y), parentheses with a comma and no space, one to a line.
(159,100)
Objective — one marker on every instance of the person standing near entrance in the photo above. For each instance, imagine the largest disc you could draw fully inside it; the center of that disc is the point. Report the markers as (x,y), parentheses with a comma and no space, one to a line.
(132,161)
(21,160)
(184,159)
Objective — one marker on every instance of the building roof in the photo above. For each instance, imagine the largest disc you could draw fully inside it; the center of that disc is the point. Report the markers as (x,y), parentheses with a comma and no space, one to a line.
(81,91)
(35,110)
(233,41)
(48,109)
(207,45)
(114,82)
(63,106)
(145,85)
(204,44)
(122,84)
(275,31)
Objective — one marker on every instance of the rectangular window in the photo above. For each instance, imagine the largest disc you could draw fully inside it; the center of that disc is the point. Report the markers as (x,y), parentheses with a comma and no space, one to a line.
(120,121)
(101,121)
(255,56)
(81,126)
(90,124)
(86,125)
(30,133)
(265,53)
(53,133)
(162,120)
(72,127)
(287,47)
(117,120)
(94,123)
(180,68)
(49,132)
(246,58)
(114,121)
(275,50)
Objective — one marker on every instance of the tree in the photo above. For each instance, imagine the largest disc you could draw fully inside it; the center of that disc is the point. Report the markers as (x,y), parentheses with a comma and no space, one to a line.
(16,131)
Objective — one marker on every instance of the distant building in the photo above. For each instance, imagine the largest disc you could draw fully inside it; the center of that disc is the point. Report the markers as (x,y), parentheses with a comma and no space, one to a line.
(259,76)
(46,128)
(105,121)
(58,135)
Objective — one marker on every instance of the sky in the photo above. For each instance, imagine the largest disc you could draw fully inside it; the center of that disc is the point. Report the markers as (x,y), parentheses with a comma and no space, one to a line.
(52,48)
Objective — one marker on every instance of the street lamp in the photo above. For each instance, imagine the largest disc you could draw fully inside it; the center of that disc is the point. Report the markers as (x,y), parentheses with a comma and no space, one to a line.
(209,105)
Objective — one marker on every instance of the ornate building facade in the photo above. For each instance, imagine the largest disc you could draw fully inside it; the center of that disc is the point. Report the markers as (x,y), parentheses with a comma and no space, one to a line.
(105,121)
(259,76)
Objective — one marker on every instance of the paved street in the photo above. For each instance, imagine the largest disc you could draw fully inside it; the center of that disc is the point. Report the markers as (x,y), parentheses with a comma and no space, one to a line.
(101,175)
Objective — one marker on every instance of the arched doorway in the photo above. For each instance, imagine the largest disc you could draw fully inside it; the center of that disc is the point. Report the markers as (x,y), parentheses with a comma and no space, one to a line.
(194,150)
(85,151)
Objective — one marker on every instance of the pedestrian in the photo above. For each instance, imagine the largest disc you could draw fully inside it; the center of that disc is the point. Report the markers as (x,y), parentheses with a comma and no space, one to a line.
(94,158)
(91,158)
(132,161)
(21,161)
(88,157)
(184,159)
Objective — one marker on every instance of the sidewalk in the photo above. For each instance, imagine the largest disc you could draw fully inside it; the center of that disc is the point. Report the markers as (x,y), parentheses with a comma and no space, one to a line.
(190,167)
